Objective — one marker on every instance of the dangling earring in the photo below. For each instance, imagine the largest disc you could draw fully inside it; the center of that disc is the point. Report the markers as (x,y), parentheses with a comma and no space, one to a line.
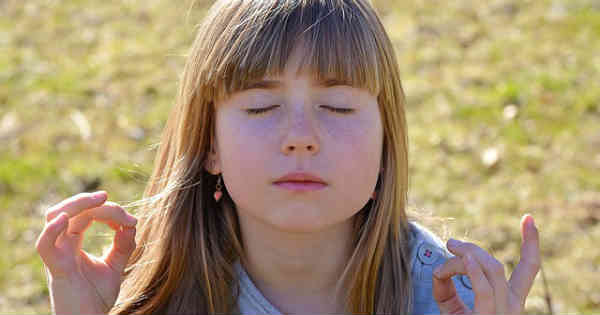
(218,193)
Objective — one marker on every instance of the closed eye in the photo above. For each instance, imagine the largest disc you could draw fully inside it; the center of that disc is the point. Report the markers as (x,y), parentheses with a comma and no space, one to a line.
(340,110)
(256,111)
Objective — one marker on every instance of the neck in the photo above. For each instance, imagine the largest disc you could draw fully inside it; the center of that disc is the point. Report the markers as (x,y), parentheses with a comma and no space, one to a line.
(297,272)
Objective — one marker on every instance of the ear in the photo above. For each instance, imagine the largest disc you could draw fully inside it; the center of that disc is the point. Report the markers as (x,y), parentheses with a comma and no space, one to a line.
(212,163)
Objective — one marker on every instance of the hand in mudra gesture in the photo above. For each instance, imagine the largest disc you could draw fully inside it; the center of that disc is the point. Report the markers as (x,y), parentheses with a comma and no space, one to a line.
(493,293)
(81,283)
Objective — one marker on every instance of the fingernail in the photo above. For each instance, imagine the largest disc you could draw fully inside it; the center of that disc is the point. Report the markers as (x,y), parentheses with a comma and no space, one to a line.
(99,195)
(530,222)
(132,220)
(62,217)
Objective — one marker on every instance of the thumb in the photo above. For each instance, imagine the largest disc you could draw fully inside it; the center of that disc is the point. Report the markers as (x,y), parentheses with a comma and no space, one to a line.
(122,247)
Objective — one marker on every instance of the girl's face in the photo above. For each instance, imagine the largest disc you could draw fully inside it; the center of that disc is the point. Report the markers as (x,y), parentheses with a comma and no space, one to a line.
(300,131)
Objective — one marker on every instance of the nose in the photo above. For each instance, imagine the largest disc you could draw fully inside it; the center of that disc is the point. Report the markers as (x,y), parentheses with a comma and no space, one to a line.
(302,135)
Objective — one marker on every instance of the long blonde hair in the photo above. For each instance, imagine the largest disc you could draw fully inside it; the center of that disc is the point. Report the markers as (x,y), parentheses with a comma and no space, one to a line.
(187,243)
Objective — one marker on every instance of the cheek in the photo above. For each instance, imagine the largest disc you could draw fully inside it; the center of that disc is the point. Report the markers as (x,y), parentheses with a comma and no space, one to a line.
(245,147)
(357,160)
(357,142)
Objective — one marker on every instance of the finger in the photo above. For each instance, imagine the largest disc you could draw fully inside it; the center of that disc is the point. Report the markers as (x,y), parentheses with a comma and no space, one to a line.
(484,293)
(444,291)
(45,244)
(76,204)
(109,213)
(453,266)
(121,249)
(524,274)
(493,271)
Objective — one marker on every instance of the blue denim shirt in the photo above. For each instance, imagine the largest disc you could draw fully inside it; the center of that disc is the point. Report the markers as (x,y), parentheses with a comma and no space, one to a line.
(427,252)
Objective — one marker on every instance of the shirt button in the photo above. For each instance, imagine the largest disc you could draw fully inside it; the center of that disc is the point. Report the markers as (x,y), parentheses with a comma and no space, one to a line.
(427,254)
(465,281)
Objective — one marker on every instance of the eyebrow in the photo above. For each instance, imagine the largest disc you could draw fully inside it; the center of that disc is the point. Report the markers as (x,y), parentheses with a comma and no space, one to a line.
(274,84)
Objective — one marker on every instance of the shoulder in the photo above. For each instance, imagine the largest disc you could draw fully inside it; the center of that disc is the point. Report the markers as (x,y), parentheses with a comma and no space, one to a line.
(427,252)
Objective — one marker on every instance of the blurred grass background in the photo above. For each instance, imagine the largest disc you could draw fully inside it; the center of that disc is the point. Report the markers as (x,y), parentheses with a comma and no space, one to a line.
(503,112)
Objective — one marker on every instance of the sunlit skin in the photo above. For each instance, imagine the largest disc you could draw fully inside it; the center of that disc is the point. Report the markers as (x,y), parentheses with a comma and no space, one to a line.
(296,242)
(493,293)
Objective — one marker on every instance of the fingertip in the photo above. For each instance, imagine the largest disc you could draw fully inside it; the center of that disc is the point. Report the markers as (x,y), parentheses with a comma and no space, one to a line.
(529,229)
(100,196)
(132,220)
(523,218)
(61,219)
(532,221)
(527,220)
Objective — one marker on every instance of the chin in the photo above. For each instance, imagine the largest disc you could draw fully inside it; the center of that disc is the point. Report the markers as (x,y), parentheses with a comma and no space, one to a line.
(303,221)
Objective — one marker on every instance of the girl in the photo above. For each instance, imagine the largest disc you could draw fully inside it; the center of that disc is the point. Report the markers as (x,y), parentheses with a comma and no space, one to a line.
(280,186)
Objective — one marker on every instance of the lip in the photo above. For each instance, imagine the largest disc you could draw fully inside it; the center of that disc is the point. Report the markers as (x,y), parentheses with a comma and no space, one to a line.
(300,181)
(300,186)
(302,178)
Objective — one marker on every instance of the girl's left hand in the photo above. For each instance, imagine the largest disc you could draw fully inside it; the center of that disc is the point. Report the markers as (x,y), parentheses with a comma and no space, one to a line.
(493,294)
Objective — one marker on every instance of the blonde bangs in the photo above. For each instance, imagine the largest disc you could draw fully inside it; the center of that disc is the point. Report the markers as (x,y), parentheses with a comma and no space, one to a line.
(257,43)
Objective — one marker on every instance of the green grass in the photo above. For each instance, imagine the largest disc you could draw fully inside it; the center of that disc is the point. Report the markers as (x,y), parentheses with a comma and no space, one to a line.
(463,64)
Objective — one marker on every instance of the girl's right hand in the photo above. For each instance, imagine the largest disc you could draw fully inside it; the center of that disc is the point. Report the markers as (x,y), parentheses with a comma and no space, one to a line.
(81,283)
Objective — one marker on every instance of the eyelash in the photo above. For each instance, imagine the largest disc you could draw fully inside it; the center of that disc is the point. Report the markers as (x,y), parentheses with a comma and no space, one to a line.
(258,111)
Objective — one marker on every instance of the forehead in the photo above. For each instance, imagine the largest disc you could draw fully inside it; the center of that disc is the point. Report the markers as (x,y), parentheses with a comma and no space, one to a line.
(295,68)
